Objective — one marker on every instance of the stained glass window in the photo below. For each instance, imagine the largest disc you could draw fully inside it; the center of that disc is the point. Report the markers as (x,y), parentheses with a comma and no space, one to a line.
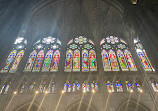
(154,85)
(118,86)
(130,61)
(113,49)
(143,56)
(106,60)
(55,61)
(84,89)
(129,86)
(65,87)
(32,87)
(113,60)
(122,60)
(93,62)
(76,60)
(42,88)
(50,47)
(51,87)
(74,87)
(6,86)
(85,62)
(110,86)
(17,61)
(15,56)
(138,87)
(10,58)
(38,61)
(47,61)
(83,48)
(22,86)
(68,62)
(30,61)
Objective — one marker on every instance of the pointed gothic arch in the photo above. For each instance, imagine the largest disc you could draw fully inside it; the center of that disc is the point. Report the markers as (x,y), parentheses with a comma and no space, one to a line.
(83,106)
(132,105)
(26,106)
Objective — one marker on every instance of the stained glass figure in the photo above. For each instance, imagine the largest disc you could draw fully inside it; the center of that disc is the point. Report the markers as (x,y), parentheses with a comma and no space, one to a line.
(110,86)
(122,60)
(68,62)
(144,60)
(154,86)
(93,61)
(96,87)
(129,86)
(130,61)
(92,87)
(78,86)
(118,86)
(65,87)
(73,87)
(22,86)
(42,88)
(55,61)
(38,61)
(47,61)
(113,60)
(9,60)
(76,60)
(138,87)
(84,88)
(88,87)
(30,61)
(6,89)
(51,87)
(17,61)
(69,87)
(106,61)
(85,62)
(32,87)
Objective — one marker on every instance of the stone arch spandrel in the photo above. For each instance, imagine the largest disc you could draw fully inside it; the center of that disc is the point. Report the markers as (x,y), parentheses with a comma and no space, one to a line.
(81,106)
(132,105)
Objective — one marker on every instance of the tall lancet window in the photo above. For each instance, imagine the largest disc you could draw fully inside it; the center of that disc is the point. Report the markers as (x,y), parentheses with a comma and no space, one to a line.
(80,55)
(143,56)
(115,55)
(45,56)
(15,56)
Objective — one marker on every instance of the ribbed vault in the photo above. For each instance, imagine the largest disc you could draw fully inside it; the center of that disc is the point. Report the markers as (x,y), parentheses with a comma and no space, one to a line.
(71,18)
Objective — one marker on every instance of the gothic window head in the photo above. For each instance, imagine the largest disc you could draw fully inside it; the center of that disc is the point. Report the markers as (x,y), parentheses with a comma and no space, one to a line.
(142,55)
(46,51)
(116,55)
(15,56)
(80,55)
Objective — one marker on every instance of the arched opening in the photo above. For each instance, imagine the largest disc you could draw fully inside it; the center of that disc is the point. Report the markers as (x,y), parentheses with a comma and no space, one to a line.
(80,107)
(26,107)
(132,106)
